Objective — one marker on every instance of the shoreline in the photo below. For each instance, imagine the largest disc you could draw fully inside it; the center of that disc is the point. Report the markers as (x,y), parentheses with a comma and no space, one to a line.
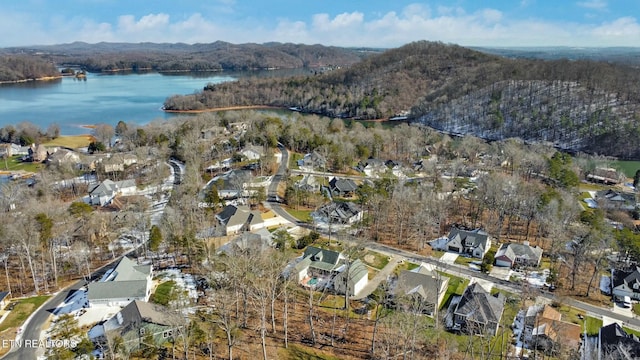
(226,108)
(46,78)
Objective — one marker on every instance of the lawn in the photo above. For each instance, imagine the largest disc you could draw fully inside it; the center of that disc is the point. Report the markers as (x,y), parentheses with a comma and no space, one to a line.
(636,308)
(461,260)
(375,259)
(437,253)
(592,325)
(293,160)
(14,164)
(73,142)
(163,292)
(456,287)
(302,215)
(631,331)
(23,309)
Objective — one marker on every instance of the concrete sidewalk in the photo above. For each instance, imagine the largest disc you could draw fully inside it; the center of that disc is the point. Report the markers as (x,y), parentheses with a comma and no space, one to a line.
(380,277)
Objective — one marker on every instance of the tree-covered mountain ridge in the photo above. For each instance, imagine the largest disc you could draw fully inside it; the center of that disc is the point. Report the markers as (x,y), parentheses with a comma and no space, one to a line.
(180,57)
(577,105)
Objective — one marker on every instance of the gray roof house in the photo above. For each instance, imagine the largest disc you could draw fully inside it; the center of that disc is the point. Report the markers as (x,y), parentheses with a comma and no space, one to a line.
(478,312)
(321,268)
(256,242)
(126,282)
(429,286)
(352,278)
(611,199)
(231,184)
(626,283)
(313,160)
(342,187)
(316,263)
(136,322)
(474,243)
(103,193)
(513,254)
(339,212)
(236,219)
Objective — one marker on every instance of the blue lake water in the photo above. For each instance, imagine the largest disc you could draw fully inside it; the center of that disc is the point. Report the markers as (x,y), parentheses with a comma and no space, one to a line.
(101,98)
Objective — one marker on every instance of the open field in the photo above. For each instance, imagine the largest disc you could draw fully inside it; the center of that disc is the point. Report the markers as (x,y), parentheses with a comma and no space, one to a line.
(73,142)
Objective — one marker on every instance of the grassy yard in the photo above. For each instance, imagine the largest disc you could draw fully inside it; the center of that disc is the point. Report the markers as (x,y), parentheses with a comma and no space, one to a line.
(461,260)
(592,325)
(162,295)
(456,287)
(293,160)
(75,141)
(302,215)
(437,253)
(636,308)
(14,164)
(375,259)
(631,331)
(23,309)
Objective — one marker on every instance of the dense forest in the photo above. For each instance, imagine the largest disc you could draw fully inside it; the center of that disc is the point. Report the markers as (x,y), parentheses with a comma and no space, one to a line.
(216,56)
(577,105)
(20,67)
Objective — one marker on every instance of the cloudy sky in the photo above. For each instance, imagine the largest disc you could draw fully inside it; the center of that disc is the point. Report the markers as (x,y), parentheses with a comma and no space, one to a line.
(372,23)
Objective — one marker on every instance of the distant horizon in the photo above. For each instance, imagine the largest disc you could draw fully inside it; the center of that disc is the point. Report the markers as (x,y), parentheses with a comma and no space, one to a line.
(309,44)
(355,23)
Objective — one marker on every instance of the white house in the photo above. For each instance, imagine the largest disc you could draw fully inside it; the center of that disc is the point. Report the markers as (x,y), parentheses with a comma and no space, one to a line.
(513,254)
(626,283)
(103,193)
(474,243)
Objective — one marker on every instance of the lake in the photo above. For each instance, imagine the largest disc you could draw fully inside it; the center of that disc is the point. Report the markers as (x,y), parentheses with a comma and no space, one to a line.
(104,98)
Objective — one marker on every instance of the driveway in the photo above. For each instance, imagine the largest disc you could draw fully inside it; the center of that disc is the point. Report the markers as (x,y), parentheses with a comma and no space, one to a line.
(449,258)
(380,277)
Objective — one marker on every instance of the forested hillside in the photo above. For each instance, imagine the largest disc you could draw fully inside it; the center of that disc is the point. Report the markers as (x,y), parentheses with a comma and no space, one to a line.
(17,68)
(578,105)
(216,56)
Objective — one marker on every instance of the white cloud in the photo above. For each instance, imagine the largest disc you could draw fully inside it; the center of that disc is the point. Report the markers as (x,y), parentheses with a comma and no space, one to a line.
(485,27)
(594,4)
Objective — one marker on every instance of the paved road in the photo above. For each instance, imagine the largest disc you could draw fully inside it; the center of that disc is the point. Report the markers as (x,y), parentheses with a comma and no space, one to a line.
(34,325)
(462,271)
(453,269)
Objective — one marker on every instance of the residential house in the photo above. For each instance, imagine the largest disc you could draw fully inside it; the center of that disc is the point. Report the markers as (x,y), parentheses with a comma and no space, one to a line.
(322,268)
(474,243)
(103,193)
(137,323)
(118,162)
(478,311)
(252,153)
(126,282)
(9,149)
(351,278)
(231,184)
(238,126)
(38,153)
(312,161)
(4,298)
(308,183)
(626,283)
(213,132)
(513,254)
(396,168)
(63,157)
(611,199)
(373,167)
(339,212)
(545,330)
(247,242)
(607,176)
(342,187)
(318,264)
(236,219)
(615,343)
(424,283)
